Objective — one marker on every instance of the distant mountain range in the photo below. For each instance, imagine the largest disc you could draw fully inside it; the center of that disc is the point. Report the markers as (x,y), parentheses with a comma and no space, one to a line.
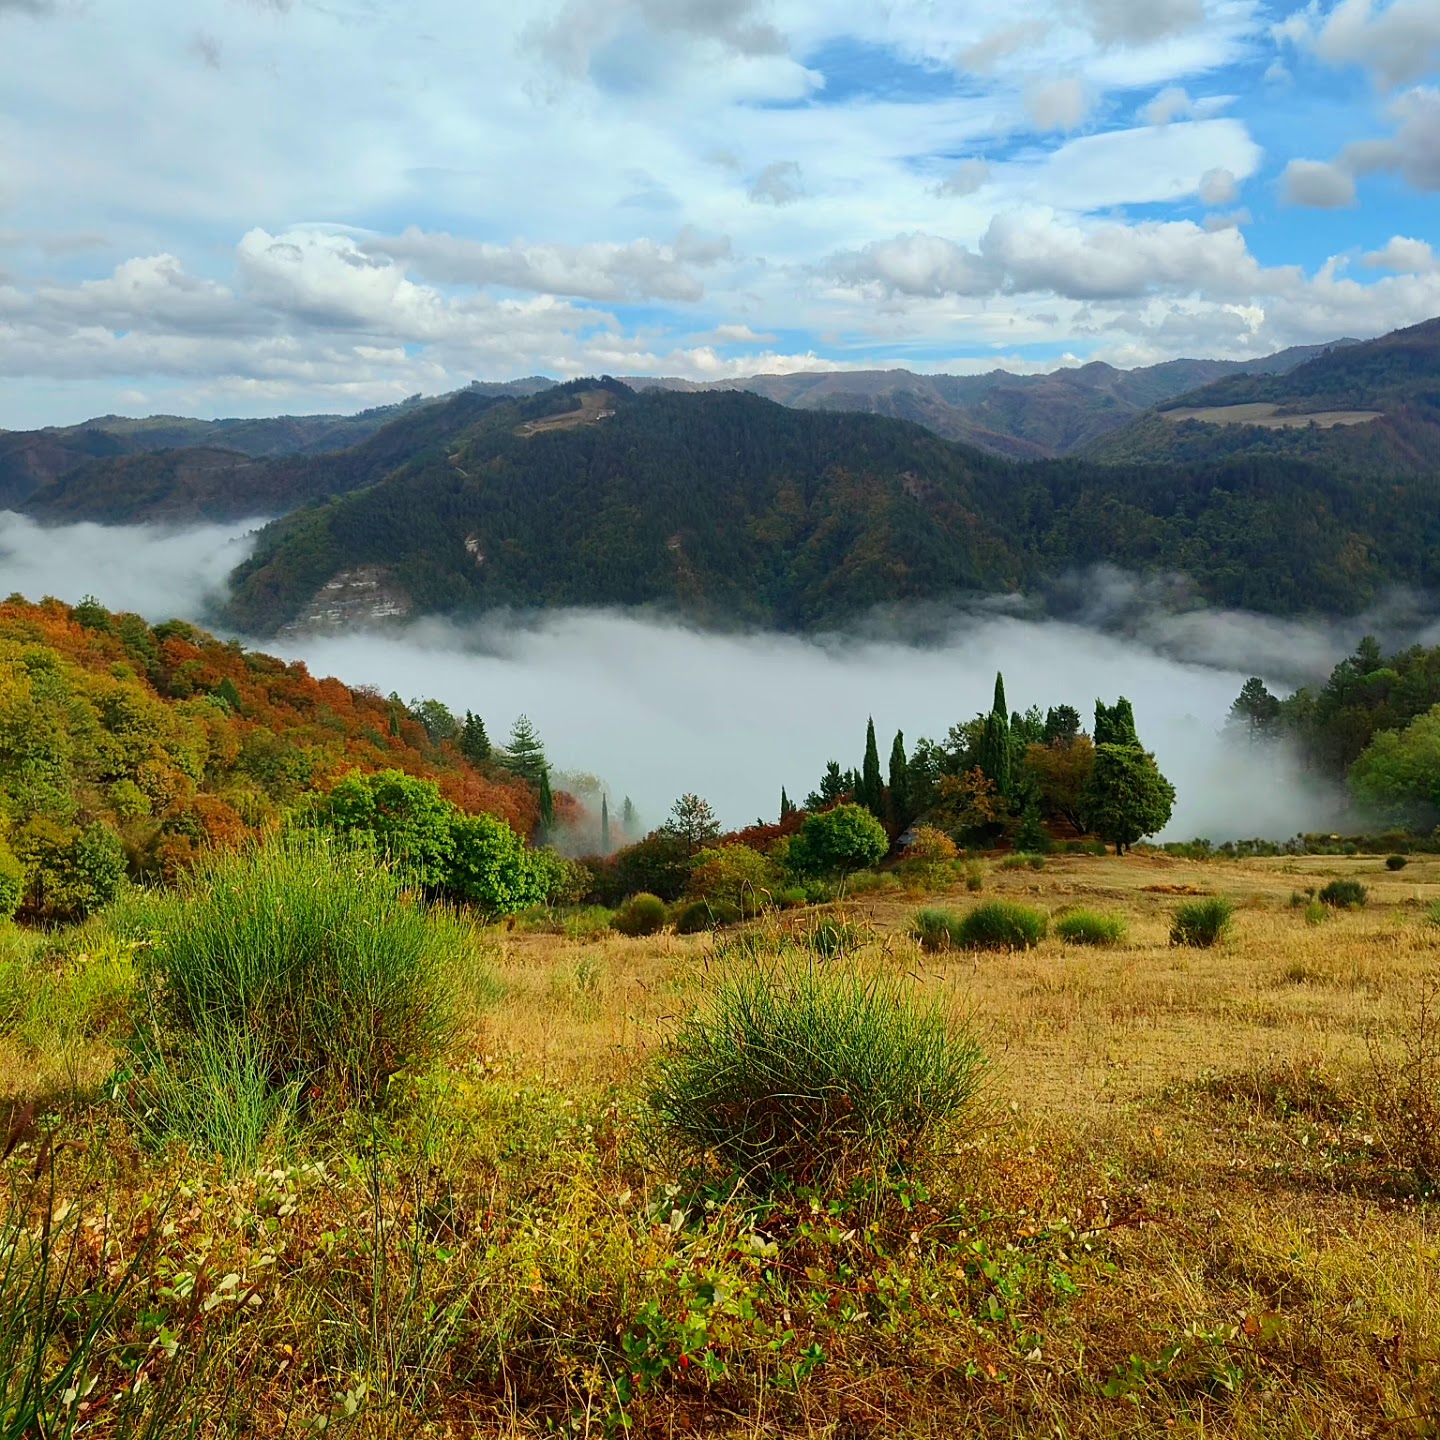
(1309,487)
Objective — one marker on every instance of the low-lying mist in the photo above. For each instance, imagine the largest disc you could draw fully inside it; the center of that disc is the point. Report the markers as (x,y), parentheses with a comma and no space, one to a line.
(657,708)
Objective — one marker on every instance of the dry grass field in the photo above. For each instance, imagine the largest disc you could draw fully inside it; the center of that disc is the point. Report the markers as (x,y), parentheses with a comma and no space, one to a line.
(1269,417)
(1183,1207)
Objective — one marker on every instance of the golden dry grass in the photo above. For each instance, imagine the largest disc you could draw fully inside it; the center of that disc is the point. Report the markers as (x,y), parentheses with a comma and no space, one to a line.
(1178,1217)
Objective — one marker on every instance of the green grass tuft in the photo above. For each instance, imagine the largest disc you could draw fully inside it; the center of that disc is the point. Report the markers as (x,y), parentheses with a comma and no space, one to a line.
(1202,923)
(1089,927)
(802,1073)
(1344,895)
(1001,925)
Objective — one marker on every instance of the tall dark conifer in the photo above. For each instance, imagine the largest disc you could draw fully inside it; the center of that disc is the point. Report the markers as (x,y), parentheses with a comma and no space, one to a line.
(871,791)
(995,753)
(604,825)
(900,815)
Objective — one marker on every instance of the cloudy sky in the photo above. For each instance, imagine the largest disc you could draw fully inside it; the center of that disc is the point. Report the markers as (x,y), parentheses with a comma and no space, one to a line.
(249,206)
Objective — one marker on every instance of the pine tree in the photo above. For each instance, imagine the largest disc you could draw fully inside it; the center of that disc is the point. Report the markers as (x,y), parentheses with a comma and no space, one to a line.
(871,792)
(474,740)
(900,815)
(693,822)
(834,786)
(995,756)
(525,754)
(604,826)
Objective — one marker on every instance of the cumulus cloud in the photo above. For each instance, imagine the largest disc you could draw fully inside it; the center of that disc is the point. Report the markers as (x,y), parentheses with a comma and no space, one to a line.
(1170,104)
(1318,185)
(965,179)
(1397,43)
(780,183)
(1413,150)
(639,270)
(1219,186)
(1041,252)
(1404,256)
(1141,22)
(1058,104)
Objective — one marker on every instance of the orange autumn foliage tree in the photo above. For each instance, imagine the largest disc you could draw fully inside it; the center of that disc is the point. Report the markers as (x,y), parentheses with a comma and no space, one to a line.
(173,741)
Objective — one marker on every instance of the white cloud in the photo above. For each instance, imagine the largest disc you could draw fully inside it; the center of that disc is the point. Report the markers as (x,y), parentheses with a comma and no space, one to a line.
(1413,150)
(1170,104)
(1397,43)
(1317,184)
(780,183)
(965,179)
(1219,186)
(640,270)
(1058,104)
(1141,22)
(1228,219)
(1404,256)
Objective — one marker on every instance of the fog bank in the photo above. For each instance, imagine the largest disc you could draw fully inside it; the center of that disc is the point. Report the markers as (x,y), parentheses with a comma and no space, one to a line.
(657,708)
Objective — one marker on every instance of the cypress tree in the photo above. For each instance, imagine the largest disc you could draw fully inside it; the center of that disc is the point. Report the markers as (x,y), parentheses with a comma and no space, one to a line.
(871,791)
(900,815)
(604,826)
(995,756)
(787,805)
(547,804)
(627,819)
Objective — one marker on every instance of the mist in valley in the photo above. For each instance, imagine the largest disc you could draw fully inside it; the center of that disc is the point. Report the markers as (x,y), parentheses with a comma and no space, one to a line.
(656,708)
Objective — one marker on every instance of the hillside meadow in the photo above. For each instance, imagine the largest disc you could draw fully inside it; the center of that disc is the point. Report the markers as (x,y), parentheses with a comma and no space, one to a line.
(1186,1200)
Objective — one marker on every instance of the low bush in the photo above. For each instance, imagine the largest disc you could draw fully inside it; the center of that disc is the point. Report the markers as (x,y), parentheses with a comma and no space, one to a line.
(1344,895)
(790,898)
(700,915)
(974,876)
(936,928)
(1202,923)
(640,915)
(1396,862)
(1088,927)
(798,1073)
(285,977)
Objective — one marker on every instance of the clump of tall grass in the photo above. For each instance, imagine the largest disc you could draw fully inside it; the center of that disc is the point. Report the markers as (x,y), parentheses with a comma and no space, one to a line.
(833,936)
(1202,923)
(1001,925)
(936,928)
(1021,860)
(801,1073)
(696,916)
(1089,927)
(1344,895)
(284,976)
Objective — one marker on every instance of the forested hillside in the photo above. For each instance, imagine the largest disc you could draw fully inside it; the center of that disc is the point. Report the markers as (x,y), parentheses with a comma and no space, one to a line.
(732,510)
(130,747)
(1376,409)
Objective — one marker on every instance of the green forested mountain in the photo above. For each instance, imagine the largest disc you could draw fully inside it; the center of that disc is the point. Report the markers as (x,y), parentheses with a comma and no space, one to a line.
(733,510)
(167,466)
(1372,409)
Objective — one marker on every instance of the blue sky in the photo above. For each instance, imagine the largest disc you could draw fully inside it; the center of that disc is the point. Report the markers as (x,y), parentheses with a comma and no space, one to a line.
(255,206)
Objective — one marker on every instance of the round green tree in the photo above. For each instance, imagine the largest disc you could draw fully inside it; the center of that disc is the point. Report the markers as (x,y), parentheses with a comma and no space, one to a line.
(838,841)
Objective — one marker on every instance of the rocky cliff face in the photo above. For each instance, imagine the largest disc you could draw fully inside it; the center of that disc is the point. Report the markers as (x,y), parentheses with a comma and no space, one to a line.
(360,598)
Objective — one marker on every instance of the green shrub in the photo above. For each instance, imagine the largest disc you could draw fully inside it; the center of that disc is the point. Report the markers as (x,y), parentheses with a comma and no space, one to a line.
(1316,913)
(734,875)
(1396,862)
(837,842)
(640,915)
(974,876)
(936,928)
(790,898)
(1013,862)
(1088,927)
(1202,923)
(1001,925)
(698,915)
(870,882)
(1344,895)
(285,975)
(12,883)
(801,1073)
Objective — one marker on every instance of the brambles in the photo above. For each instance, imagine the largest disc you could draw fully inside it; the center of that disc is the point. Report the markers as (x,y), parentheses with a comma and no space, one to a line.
(1001,925)
(640,915)
(796,1073)
(1088,927)
(1344,895)
(1202,923)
